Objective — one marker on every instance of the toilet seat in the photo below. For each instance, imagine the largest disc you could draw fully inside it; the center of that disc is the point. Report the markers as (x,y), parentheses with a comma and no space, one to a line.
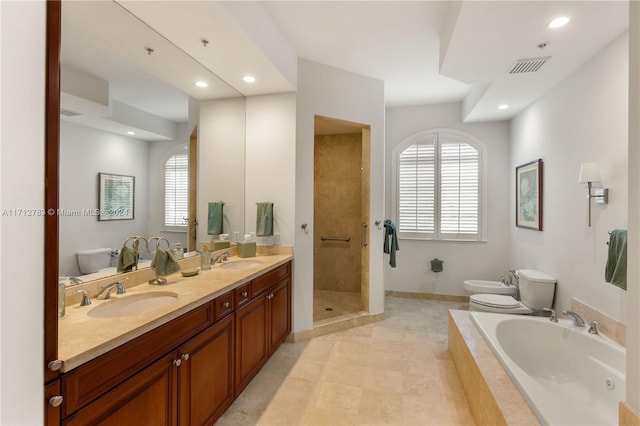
(497,303)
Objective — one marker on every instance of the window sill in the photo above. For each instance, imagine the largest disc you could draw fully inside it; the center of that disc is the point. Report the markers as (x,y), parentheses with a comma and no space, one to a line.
(444,240)
(175,231)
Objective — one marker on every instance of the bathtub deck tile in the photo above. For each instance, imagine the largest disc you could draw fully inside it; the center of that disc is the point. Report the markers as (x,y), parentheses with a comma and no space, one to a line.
(492,395)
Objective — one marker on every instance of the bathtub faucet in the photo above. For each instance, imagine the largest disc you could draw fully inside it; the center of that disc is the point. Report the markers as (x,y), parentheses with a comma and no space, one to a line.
(512,277)
(577,319)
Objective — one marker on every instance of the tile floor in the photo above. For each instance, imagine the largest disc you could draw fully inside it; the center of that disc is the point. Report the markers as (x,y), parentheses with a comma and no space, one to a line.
(393,372)
(340,303)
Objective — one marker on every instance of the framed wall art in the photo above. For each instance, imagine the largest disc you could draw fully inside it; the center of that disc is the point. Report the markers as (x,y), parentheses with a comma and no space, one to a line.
(115,196)
(529,195)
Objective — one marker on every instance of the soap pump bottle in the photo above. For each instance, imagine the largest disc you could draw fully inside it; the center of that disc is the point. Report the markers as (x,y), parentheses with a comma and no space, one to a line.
(205,258)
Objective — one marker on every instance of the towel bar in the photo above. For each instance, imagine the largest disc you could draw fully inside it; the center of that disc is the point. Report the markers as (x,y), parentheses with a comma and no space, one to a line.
(347,238)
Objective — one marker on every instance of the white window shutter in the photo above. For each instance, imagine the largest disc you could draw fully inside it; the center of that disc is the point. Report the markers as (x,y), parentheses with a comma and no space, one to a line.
(416,186)
(176,190)
(459,190)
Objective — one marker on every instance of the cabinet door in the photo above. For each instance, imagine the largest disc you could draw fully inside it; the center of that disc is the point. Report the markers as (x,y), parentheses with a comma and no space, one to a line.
(252,344)
(279,313)
(148,398)
(205,377)
(52,395)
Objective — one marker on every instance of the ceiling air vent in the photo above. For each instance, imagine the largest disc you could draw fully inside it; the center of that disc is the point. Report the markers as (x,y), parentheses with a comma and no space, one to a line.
(68,112)
(522,66)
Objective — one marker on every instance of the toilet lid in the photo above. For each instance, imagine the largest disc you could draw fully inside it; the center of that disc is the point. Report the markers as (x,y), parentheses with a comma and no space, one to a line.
(495,300)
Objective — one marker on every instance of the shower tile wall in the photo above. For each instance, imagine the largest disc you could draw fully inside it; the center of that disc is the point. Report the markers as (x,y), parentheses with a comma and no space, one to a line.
(338,212)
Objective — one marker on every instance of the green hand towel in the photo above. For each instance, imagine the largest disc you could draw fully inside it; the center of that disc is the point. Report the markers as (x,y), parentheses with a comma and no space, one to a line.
(264,222)
(215,218)
(127,260)
(616,270)
(164,263)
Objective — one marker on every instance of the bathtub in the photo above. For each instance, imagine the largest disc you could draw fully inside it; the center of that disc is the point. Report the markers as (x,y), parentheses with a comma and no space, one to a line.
(568,376)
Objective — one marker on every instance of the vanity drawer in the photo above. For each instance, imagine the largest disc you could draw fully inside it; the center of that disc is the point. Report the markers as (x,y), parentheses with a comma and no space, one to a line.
(223,305)
(265,281)
(89,381)
(243,294)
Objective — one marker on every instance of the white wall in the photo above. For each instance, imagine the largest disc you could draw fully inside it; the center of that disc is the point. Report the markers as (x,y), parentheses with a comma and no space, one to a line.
(330,92)
(85,152)
(270,162)
(463,260)
(22,238)
(583,119)
(221,150)
(633,271)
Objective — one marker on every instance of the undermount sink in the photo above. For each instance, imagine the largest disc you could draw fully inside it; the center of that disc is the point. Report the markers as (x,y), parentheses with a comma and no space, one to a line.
(240,264)
(135,304)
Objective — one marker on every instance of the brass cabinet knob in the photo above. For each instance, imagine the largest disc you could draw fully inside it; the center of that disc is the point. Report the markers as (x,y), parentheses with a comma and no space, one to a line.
(245,293)
(55,401)
(225,305)
(55,365)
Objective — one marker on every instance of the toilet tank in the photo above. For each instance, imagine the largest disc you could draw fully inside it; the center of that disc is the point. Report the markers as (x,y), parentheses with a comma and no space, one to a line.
(536,288)
(90,261)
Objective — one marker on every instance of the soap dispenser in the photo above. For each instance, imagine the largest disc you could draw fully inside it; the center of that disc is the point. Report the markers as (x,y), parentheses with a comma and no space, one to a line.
(205,258)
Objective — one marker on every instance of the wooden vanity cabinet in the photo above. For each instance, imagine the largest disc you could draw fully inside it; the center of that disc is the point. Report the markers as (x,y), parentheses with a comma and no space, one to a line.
(147,398)
(185,372)
(205,376)
(262,324)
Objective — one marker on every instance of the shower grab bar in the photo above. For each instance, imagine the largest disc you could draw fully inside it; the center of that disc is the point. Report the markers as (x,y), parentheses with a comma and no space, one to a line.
(346,239)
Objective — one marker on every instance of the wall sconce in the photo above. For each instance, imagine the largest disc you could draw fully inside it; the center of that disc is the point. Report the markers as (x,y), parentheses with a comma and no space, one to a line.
(589,173)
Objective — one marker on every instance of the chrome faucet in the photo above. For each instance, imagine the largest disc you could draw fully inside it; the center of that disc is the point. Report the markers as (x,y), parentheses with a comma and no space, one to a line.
(577,319)
(512,276)
(553,317)
(222,257)
(593,327)
(75,280)
(105,292)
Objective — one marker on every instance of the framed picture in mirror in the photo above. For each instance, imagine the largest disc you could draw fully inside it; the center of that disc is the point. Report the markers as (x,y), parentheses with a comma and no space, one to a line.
(115,197)
(529,195)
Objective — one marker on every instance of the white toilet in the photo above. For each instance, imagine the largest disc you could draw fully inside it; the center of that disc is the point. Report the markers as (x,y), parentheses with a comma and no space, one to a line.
(90,261)
(537,290)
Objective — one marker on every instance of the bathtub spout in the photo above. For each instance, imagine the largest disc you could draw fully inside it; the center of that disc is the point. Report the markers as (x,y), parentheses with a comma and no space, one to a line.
(577,319)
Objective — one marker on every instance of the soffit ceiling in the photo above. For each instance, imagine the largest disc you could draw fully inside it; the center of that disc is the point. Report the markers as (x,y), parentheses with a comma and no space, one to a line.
(425,52)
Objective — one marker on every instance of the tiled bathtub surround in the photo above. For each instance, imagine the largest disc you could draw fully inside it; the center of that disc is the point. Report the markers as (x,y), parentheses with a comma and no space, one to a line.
(607,326)
(492,395)
(396,371)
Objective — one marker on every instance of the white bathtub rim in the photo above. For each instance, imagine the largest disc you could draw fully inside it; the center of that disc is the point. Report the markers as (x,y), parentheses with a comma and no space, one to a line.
(530,385)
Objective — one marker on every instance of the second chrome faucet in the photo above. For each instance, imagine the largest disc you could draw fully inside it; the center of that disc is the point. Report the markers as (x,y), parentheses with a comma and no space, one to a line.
(105,292)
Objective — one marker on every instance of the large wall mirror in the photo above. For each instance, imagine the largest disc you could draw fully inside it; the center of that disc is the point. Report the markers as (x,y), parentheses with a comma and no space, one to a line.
(130,108)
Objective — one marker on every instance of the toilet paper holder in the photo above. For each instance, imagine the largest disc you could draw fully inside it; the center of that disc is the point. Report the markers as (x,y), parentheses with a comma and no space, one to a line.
(437,265)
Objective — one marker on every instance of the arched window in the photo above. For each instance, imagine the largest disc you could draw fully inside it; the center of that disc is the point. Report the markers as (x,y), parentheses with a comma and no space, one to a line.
(437,178)
(176,191)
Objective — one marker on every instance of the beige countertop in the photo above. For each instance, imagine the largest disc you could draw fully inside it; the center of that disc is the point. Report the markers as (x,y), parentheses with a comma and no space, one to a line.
(82,338)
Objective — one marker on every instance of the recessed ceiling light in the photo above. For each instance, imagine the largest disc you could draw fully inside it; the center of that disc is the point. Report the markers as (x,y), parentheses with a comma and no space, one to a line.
(131,133)
(503,106)
(249,79)
(559,22)
(201,83)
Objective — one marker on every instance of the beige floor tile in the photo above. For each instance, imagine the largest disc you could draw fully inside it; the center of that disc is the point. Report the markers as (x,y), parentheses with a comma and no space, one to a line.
(339,397)
(394,372)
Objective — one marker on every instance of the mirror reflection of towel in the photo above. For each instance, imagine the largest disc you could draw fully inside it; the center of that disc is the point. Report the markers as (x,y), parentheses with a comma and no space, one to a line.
(215,218)
(164,263)
(127,259)
(264,221)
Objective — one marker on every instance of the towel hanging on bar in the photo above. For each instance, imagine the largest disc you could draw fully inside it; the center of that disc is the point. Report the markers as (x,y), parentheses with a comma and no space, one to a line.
(391,241)
(264,219)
